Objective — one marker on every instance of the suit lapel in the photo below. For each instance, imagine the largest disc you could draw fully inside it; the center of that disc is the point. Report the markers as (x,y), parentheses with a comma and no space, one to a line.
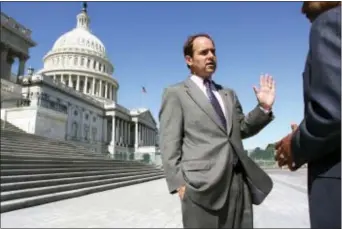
(228,104)
(202,101)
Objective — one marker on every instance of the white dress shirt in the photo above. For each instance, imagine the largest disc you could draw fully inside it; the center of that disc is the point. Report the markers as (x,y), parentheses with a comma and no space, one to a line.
(199,82)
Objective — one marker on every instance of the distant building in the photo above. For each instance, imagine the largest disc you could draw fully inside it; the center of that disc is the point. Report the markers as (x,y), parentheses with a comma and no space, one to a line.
(74,97)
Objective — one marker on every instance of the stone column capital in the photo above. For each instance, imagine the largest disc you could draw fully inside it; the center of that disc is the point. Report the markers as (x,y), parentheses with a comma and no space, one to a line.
(23,57)
(4,47)
(10,59)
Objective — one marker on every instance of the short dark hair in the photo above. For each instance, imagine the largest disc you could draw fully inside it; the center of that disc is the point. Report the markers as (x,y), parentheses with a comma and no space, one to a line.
(313,9)
(189,43)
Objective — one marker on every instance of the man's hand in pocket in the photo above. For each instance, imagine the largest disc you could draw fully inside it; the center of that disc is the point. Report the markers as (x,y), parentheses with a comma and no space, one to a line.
(181,191)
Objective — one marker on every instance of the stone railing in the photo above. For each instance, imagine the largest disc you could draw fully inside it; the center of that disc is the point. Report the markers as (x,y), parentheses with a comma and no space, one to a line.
(45,102)
(10,22)
(8,86)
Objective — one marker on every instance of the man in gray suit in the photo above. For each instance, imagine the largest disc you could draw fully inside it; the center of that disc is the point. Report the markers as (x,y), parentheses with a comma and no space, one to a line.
(201,130)
(317,140)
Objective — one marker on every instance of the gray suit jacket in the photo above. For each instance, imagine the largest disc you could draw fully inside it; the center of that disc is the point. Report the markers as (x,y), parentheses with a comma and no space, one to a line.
(197,151)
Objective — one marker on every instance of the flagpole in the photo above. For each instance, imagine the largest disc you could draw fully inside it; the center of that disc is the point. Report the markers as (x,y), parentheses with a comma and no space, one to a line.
(143,91)
(142,100)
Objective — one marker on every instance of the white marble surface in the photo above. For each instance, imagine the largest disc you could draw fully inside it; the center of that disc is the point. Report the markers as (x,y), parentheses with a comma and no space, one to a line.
(150,205)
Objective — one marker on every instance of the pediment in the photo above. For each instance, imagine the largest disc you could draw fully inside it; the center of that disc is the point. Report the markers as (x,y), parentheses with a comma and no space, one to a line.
(148,117)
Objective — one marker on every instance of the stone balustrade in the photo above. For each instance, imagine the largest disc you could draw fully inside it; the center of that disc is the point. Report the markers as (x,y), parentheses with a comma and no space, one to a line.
(10,22)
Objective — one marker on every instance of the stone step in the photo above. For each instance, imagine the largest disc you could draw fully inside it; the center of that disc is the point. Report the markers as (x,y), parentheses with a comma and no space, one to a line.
(34,144)
(43,199)
(59,161)
(45,176)
(18,194)
(68,180)
(28,139)
(39,159)
(39,146)
(45,151)
(52,165)
(5,154)
(30,142)
(12,172)
(5,125)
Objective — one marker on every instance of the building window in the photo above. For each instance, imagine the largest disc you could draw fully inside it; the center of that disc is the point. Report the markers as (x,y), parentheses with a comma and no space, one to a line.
(74,129)
(94,133)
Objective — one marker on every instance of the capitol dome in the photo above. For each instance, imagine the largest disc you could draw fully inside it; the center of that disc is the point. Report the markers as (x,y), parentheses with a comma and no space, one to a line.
(78,39)
(78,59)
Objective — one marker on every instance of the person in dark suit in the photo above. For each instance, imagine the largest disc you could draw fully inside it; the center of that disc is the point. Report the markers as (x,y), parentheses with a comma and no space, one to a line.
(201,130)
(317,140)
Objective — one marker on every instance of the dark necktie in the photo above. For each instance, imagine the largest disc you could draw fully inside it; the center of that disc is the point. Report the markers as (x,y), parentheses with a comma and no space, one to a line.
(215,103)
(217,107)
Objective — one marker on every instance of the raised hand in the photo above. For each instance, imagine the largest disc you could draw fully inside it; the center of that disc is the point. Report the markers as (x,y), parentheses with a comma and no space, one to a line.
(266,92)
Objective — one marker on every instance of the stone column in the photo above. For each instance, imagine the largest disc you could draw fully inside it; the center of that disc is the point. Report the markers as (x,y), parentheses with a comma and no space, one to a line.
(22,62)
(129,133)
(93,88)
(122,130)
(136,140)
(78,83)
(70,81)
(117,130)
(104,130)
(10,60)
(62,79)
(100,89)
(106,89)
(111,92)
(4,54)
(85,85)
(113,143)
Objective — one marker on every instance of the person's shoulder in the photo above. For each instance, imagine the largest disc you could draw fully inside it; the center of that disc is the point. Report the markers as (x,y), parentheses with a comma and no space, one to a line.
(174,87)
(329,16)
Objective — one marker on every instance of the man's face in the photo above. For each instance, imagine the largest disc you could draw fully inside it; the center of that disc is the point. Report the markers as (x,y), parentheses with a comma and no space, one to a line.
(203,60)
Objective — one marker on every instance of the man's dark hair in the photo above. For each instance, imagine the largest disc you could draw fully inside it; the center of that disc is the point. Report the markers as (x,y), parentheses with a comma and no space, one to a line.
(313,9)
(189,43)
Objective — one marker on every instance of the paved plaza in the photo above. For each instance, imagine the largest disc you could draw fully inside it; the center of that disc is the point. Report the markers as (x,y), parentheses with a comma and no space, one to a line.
(150,205)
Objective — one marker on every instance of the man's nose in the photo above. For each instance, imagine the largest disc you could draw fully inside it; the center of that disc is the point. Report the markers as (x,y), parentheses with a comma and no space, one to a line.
(211,55)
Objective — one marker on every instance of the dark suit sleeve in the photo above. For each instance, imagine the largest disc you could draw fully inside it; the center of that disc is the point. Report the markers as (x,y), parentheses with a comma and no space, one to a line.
(171,138)
(254,121)
(320,131)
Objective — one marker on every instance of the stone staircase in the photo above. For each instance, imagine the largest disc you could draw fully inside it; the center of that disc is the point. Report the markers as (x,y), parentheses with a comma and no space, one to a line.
(9,126)
(37,170)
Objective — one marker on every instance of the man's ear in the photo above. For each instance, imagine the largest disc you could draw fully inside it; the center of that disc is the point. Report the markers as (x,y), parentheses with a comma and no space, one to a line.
(188,60)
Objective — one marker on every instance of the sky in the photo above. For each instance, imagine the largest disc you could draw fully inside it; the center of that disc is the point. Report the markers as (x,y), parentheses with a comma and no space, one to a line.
(144,42)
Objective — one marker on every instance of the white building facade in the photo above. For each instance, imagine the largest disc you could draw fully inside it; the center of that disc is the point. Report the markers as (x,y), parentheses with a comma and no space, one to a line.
(74,98)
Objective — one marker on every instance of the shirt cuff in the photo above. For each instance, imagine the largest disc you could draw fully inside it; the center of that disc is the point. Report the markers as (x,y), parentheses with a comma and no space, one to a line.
(264,110)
